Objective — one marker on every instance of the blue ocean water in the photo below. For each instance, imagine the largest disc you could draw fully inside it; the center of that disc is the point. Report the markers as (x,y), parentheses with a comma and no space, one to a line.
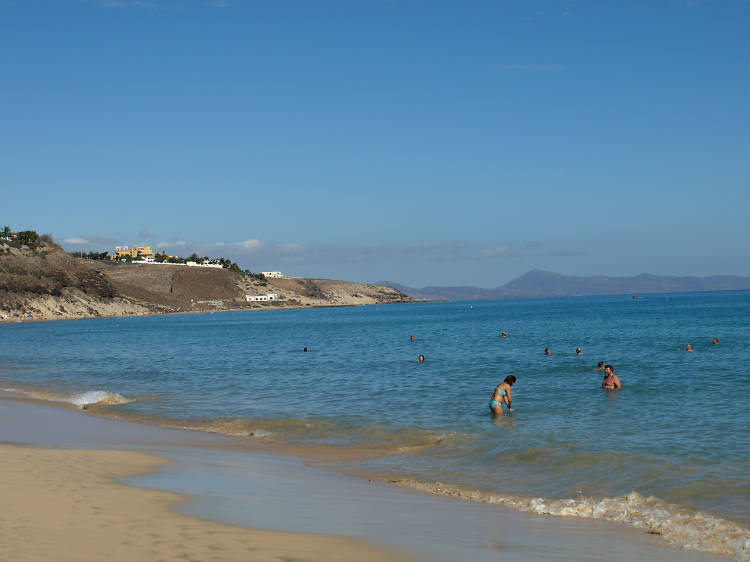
(669,451)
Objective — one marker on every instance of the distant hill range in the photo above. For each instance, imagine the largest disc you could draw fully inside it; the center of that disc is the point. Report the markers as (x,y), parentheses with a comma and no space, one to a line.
(538,283)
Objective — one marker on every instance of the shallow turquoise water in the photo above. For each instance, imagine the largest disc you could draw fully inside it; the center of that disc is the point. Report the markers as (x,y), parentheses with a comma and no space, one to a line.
(677,430)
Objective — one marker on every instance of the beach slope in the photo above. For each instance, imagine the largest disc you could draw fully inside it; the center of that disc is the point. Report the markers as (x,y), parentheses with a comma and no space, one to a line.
(64,505)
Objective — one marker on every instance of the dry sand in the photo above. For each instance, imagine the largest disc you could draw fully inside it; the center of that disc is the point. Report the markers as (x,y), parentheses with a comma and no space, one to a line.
(65,505)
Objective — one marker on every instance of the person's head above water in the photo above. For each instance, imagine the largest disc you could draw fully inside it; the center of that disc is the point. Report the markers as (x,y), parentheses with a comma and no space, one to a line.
(688,347)
(608,369)
(600,365)
(510,379)
(716,340)
(504,334)
(547,351)
(421,359)
(579,351)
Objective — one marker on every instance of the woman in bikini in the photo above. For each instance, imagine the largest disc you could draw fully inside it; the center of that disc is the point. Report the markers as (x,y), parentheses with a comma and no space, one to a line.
(501,396)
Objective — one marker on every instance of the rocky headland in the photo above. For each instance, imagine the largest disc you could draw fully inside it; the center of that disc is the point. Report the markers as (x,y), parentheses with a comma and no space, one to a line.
(40,281)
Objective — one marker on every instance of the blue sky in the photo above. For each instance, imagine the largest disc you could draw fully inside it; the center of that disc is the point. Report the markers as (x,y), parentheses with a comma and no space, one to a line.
(421,142)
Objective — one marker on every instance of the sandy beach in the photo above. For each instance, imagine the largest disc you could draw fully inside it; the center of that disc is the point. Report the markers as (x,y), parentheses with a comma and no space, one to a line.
(65,505)
(190,495)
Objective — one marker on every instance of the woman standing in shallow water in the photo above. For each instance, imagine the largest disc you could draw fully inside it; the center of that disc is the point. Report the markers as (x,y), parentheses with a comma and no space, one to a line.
(501,395)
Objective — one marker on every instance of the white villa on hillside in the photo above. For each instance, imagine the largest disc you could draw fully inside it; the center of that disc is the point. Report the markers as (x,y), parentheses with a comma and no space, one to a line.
(204,264)
(261,298)
(272,274)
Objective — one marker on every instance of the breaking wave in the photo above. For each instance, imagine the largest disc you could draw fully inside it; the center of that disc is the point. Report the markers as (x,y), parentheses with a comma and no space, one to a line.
(679,526)
(96,397)
(80,400)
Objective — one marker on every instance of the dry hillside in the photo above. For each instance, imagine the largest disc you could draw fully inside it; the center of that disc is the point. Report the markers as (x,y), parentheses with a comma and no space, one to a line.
(47,283)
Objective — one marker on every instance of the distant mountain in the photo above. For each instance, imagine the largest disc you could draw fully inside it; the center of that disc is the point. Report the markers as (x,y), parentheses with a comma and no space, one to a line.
(538,283)
(447,293)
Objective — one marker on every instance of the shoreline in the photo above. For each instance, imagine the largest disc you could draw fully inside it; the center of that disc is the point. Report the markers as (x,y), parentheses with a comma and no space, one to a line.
(190,451)
(22,319)
(67,504)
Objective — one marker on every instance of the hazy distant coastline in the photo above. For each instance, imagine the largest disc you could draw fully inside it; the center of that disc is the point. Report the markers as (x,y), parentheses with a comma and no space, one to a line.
(539,284)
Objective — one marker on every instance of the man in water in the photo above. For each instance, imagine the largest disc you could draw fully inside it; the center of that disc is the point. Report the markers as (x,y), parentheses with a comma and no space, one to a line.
(579,351)
(611,380)
(547,351)
(501,395)
(689,347)
(504,334)
(716,341)
(599,366)
(421,359)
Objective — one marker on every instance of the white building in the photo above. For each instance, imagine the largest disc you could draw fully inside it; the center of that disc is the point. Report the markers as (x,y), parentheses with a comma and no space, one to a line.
(204,264)
(272,274)
(262,298)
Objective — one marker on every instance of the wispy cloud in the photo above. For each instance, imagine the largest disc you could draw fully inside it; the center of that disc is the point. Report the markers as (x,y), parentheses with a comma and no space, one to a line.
(530,67)
(171,244)
(258,255)
(531,248)
(91,242)
(498,252)
(564,253)
(249,244)
(291,248)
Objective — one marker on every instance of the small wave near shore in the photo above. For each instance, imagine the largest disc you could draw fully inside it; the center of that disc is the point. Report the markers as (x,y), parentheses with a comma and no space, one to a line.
(681,527)
(80,400)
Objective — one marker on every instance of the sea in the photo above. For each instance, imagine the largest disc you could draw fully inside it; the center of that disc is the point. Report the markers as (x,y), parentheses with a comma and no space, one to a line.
(668,453)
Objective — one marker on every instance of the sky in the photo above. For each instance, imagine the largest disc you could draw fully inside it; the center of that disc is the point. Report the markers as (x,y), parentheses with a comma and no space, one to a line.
(416,142)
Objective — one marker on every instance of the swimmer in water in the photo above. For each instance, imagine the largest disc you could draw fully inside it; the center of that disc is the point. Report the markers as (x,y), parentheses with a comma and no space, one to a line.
(611,381)
(501,395)
(421,359)
(412,338)
(579,351)
(547,351)
(504,334)
(716,341)
(599,366)
(688,347)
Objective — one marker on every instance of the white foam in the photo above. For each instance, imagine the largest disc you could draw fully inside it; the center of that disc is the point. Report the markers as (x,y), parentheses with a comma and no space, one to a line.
(679,526)
(81,400)
(85,398)
(94,397)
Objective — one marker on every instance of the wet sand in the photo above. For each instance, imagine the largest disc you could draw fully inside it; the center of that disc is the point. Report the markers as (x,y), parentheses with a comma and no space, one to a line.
(78,487)
(60,504)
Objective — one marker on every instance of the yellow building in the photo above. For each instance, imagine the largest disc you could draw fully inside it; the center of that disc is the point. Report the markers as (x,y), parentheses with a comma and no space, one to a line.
(121,252)
(136,252)
(141,252)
